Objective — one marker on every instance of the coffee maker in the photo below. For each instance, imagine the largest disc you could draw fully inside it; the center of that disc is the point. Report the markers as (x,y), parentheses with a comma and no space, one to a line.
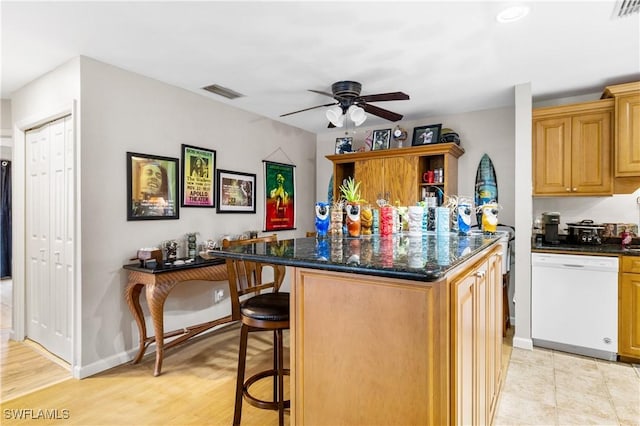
(550,222)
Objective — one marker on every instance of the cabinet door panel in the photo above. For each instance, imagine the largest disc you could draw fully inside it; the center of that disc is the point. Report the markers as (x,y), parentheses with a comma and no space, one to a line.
(629,316)
(481,341)
(400,179)
(371,177)
(628,135)
(552,156)
(463,348)
(591,154)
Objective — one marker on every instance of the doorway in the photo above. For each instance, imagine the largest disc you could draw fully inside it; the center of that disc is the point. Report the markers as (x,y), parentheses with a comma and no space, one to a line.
(5,219)
(50,242)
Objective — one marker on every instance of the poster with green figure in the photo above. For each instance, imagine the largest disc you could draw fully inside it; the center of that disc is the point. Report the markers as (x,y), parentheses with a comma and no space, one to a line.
(279,196)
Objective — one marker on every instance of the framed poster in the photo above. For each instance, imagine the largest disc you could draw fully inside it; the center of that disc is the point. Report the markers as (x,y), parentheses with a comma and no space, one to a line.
(236,192)
(152,187)
(279,196)
(198,173)
(425,135)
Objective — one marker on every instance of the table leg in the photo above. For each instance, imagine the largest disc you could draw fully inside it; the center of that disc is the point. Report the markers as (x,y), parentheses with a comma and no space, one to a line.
(156,295)
(132,293)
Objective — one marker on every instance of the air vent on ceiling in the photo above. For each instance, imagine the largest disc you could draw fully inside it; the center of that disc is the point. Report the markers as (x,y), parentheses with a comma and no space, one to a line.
(223,91)
(625,8)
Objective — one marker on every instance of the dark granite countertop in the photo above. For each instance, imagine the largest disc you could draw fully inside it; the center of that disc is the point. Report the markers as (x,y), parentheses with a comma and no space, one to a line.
(425,258)
(153,268)
(606,249)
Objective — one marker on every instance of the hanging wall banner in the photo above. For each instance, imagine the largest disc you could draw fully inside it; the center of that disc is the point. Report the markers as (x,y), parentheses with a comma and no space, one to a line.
(198,174)
(279,196)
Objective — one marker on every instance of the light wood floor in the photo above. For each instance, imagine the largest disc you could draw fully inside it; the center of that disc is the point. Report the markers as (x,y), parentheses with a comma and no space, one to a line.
(197,387)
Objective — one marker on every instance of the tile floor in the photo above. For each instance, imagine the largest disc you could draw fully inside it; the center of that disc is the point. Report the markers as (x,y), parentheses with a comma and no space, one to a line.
(546,387)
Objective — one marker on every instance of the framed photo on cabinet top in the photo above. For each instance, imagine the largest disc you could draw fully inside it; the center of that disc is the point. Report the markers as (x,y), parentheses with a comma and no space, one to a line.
(380,139)
(344,145)
(425,135)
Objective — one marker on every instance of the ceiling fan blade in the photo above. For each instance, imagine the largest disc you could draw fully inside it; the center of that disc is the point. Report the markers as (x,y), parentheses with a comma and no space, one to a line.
(391,96)
(380,112)
(307,109)
(321,92)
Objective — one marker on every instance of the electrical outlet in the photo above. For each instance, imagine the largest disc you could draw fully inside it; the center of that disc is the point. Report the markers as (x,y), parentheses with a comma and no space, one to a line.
(218,295)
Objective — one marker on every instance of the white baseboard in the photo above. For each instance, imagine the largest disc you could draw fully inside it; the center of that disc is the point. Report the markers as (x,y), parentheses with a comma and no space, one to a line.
(107,363)
(127,356)
(523,343)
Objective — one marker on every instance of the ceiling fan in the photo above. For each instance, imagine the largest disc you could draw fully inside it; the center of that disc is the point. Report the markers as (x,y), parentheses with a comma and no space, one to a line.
(347,94)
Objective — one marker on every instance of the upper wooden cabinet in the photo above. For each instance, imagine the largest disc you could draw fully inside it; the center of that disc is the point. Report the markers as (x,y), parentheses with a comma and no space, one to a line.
(572,149)
(627,128)
(397,173)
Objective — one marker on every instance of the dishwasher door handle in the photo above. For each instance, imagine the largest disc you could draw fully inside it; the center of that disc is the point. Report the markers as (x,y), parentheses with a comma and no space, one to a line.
(569,265)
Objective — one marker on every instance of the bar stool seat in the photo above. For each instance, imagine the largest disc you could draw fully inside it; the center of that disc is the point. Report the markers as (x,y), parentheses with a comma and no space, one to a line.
(269,311)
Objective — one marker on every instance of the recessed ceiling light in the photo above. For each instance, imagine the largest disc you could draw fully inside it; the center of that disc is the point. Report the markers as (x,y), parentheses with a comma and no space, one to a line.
(512,14)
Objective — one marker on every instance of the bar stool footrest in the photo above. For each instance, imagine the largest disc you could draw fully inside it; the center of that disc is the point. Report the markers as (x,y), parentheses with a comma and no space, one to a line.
(269,405)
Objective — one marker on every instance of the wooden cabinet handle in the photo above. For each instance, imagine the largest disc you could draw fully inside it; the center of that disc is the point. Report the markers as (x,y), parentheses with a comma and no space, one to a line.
(480,274)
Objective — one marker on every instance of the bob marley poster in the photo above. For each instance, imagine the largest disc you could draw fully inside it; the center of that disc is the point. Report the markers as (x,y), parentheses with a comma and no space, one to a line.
(198,171)
(152,191)
(279,196)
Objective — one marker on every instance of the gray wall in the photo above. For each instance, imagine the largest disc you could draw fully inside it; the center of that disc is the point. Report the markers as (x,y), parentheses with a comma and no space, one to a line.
(488,131)
(118,112)
(6,133)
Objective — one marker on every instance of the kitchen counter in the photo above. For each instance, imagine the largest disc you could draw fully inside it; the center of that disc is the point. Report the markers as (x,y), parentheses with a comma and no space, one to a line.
(607,249)
(391,330)
(425,258)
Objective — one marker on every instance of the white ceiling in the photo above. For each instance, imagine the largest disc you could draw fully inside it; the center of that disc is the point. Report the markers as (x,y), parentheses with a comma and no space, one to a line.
(449,56)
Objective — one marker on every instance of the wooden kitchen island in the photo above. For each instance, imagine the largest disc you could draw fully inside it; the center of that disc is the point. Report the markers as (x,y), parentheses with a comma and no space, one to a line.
(393,330)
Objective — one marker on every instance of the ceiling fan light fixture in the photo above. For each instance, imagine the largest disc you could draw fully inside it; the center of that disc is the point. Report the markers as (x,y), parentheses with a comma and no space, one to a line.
(335,116)
(357,115)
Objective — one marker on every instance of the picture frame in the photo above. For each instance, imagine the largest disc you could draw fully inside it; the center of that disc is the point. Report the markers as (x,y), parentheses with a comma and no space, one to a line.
(426,135)
(280,196)
(380,139)
(344,145)
(152,187)
(236,192)
(197,181)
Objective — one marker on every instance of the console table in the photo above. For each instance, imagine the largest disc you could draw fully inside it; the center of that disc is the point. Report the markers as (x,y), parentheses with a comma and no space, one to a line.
(158,283)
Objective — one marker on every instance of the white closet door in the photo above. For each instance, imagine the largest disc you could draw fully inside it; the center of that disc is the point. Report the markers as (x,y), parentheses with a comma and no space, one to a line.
(50,231)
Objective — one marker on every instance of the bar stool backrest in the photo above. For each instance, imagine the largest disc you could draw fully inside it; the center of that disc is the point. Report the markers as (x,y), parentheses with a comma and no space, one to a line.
(246,277)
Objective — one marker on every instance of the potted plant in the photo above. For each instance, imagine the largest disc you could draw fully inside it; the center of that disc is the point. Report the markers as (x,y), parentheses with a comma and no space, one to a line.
(350,191)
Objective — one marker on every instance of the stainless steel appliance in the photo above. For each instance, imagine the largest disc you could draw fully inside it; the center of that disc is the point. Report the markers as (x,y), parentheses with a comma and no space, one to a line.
(550,222)
(574,304)
(585,232)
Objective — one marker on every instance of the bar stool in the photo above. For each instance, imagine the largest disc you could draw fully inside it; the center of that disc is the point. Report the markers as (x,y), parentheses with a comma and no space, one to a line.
(259,312)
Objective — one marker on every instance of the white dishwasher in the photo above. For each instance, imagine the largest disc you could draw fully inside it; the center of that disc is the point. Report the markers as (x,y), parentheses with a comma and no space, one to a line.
(574,304)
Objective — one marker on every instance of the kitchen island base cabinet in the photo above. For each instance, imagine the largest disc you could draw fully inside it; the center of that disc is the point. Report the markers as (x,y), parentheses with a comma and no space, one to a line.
(373,350)
(477,342)
(368,350)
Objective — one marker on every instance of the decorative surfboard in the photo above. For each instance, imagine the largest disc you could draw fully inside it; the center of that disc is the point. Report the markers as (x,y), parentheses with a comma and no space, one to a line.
(486,184)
